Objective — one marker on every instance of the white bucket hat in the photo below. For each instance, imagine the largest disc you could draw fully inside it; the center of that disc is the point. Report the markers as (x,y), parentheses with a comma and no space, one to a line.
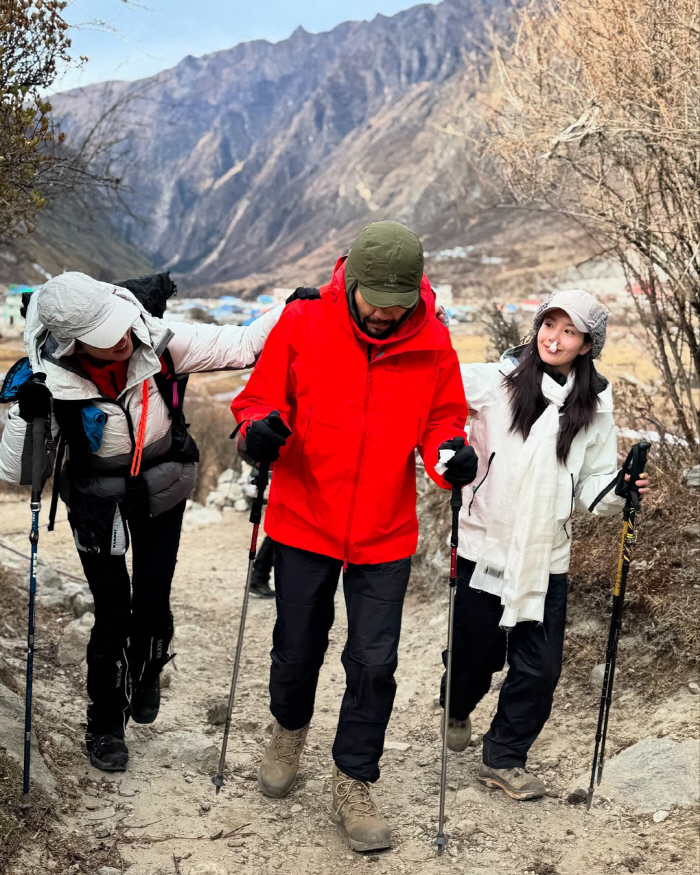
(587,314)
(73,306)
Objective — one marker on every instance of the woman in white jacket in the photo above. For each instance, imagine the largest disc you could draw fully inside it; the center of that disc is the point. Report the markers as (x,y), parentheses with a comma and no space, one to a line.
(542,426)
(112,370)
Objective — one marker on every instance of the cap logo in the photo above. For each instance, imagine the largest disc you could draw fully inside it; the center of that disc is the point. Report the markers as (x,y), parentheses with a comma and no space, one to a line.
(392,280)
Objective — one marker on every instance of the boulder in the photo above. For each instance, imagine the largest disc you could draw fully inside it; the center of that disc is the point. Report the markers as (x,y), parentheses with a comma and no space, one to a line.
(72,644)
(597,676)
(192,749)
(198,516)
(692,476)
(216,499)
(654,774)
(12,739)
(83,603)
(226,477)
(208,868)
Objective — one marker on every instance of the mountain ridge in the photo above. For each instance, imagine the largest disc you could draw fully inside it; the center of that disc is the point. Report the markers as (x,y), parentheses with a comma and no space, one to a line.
(266,154)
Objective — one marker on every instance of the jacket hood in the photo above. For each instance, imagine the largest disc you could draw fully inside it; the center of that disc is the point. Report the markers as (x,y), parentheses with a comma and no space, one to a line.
(68,383)
(421,322)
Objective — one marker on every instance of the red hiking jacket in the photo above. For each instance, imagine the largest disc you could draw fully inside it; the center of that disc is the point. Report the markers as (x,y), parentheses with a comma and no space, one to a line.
(358,407)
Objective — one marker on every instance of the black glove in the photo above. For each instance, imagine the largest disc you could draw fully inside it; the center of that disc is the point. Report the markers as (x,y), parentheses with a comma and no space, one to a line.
(462,467)
(34,398)
(266,437)
(303,294)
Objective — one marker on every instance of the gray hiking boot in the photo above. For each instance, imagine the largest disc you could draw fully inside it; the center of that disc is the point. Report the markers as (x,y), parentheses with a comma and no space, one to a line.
(459,733)
(354,809)
(280,762)
(516,783)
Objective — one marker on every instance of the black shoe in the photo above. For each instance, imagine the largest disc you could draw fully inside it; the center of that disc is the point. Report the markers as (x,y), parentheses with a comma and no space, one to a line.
(145,702)
(261,588)
(107,752)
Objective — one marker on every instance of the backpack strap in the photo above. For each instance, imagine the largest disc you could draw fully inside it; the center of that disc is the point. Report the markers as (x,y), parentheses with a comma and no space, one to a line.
(172,386)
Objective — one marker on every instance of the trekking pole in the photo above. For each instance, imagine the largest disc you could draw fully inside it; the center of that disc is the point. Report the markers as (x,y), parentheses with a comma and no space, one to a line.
(255,517)
(38,428)
(634,466)
(456,505)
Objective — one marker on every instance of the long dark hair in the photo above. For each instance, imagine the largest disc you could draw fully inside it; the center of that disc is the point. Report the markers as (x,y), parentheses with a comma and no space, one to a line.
(527,403)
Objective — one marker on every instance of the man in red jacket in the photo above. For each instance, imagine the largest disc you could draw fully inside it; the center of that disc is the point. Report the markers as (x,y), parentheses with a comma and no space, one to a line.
(346,389)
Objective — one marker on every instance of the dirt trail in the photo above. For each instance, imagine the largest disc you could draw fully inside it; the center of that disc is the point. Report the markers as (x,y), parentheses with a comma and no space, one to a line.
(162,816)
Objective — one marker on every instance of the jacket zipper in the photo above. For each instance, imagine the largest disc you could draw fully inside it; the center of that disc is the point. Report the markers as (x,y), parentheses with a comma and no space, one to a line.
(360,452)
(480,483)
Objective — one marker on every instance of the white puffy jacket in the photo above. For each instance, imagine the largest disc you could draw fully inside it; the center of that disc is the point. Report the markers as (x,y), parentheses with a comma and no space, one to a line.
(590,467)
(194,348)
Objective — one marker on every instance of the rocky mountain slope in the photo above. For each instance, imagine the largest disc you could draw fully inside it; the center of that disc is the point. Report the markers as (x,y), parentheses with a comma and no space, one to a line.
(69,236)
(265,154)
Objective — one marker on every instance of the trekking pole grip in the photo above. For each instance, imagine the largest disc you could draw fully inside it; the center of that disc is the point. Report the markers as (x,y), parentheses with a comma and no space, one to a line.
(456,500)
(261,481)
(38,430)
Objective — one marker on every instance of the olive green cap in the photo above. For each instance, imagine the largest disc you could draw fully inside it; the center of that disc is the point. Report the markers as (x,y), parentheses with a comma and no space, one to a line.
(386,261)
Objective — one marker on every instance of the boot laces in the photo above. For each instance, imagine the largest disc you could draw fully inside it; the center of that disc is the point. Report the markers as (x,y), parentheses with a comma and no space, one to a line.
(287,743)
(356,796)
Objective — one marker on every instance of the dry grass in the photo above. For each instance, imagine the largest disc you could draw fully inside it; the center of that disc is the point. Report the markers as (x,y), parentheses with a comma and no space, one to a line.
(211,427)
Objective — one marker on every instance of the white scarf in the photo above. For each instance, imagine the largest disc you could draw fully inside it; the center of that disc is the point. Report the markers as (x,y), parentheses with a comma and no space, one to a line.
(515,557)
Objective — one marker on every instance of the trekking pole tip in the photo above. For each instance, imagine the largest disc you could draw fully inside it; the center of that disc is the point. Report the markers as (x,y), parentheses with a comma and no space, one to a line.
(218,782)
(25,805)
(589,798)
(441,843)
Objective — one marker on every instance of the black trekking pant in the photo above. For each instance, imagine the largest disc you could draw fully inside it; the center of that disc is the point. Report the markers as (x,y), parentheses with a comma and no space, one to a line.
(305,585)
(262,567)
(534,655)
(133,623)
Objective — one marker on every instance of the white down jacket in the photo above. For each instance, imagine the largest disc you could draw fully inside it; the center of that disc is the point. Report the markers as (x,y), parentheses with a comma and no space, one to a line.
(589,469)
(194,348)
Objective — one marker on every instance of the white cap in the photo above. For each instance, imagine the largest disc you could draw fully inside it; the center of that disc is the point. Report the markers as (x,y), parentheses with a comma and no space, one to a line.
(73,306)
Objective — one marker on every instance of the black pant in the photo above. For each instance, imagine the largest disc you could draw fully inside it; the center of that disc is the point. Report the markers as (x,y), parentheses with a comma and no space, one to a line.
(130,614)
(262,567)
(534,654)
(305,584)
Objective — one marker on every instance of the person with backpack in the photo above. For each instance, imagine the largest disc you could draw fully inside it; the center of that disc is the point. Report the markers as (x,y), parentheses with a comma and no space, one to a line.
(345,391)
(542,425)
(116,375)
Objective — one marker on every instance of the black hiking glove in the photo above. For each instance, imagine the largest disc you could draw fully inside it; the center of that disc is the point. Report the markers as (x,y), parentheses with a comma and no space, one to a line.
(266,437)
(34,398)
(303,294)
(462,467)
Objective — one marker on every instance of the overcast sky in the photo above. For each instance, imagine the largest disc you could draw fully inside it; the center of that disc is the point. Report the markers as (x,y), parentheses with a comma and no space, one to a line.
(141,37)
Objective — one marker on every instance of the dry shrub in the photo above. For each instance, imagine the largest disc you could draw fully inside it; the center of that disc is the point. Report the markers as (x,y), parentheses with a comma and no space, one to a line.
(503,330)
(211,427)
(662,609)
(431,563)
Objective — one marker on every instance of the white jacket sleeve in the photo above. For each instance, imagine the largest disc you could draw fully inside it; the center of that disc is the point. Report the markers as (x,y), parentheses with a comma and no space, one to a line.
(12,446)
(599,470)
(480,384)
(218,348)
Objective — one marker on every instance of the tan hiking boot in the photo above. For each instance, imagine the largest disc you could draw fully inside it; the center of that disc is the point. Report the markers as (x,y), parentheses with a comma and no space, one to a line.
(459,733)
(280,762)
(516,783)
(354,808)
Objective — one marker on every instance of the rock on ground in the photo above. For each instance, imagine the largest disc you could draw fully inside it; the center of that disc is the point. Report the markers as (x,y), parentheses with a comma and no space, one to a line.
(72,644)
(655,773)
(193,749)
